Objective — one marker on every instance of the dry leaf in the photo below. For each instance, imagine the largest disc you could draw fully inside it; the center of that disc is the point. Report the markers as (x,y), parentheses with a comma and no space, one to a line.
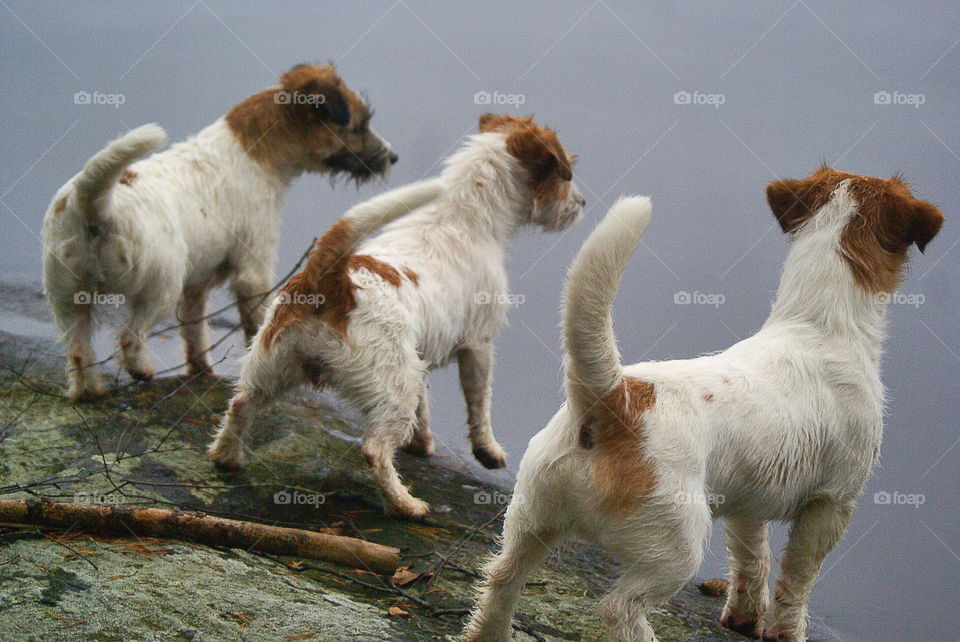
(396,611)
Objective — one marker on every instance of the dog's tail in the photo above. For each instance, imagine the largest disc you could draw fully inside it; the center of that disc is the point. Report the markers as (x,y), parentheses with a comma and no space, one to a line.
(333,250)
(102,171)
(592,360)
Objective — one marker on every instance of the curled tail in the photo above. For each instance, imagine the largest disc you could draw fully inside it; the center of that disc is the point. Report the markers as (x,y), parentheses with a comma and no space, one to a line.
(334,249)
(102,171)
(592,360)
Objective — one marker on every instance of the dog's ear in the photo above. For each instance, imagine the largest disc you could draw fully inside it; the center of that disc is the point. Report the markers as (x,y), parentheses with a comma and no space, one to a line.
(313,94)
(925,223)
(540,153)
(489,122)
(793,202)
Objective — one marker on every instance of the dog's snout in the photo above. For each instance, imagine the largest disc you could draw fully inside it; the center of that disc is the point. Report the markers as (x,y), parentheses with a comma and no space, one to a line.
(393,157)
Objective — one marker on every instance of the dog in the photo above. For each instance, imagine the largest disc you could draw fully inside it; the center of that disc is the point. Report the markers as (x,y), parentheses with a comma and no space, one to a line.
(425,291)
(784,425)
(162,232)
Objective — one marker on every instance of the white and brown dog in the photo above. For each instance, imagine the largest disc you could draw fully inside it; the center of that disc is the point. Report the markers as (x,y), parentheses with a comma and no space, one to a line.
(372,323)
(163,231)
(783,426)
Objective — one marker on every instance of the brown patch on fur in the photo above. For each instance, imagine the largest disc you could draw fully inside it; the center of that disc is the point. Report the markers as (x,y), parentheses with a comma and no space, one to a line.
(539,150)
(616,427)
(127,177)
(312,115)
(324,288)
(60,205)
(412,276)
(888,220)
(708,397)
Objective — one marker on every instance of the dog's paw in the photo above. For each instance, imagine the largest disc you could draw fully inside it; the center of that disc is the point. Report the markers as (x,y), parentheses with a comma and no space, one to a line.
(199,368)
(491,455)
(89,389)
(142,373)
(750,625)
(226,458)
(410,508)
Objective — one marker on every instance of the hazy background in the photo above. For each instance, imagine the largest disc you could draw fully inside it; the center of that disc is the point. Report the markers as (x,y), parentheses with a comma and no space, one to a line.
(783,86)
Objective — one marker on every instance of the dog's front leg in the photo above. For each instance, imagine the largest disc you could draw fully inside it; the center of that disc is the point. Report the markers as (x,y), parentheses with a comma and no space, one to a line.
(814,533)
(251,290)
(476,367)
(194,330)
(747,594)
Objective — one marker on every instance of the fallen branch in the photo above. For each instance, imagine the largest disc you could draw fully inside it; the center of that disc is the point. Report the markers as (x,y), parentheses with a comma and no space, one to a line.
(199,527)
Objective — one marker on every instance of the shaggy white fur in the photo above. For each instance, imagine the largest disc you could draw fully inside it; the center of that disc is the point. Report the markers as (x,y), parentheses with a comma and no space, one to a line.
(784,425)
(453,308)
(180,223)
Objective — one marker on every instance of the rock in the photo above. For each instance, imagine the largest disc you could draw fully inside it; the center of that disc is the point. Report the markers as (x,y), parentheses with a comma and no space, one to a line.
(145,443)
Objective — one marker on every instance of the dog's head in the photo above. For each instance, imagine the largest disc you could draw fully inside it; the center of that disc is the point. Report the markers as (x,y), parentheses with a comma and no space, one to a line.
(312,122)
(886,220)
(555,200)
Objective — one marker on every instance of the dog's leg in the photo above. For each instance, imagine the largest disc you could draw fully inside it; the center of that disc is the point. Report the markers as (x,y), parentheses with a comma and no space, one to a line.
(133,341)
(250,289)
(421,444)
(196,337)
(75,322)
(749,553)
(504,578)
(476,367)
(814,533)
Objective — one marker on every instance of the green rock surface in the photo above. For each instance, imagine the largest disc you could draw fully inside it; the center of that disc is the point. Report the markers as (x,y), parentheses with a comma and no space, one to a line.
(144,445)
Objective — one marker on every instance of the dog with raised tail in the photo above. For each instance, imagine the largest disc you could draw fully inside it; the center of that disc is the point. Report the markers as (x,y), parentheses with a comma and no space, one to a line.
(370,322)
(160,233)
(782,426)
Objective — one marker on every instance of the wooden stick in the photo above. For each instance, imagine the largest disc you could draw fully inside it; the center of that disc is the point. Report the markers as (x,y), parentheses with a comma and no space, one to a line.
(206,529)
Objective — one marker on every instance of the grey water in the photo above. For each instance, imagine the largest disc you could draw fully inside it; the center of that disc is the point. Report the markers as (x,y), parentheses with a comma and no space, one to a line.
(698,104)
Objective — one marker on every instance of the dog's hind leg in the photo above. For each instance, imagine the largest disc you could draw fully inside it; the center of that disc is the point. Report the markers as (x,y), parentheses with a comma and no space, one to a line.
(526,543)
(75,321)
(265,376)
(476,367)
(814,533)
(194,330)
(747,595)
(421,444)
(133,340)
